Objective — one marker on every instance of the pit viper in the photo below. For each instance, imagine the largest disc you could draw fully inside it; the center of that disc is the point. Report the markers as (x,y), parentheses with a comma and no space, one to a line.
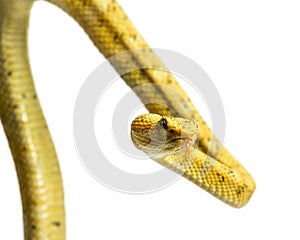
(201,158)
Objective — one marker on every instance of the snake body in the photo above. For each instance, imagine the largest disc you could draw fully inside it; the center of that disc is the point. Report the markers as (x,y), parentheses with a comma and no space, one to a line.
(211,166)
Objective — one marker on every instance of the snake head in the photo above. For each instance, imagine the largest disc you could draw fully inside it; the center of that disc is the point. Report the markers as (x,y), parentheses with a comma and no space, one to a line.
(159,136)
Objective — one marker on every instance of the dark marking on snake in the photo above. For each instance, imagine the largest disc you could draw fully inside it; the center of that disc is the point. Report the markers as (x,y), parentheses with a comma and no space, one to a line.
(56,223)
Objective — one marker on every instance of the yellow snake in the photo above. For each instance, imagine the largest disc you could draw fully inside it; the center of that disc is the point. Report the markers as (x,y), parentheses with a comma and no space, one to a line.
(199,157)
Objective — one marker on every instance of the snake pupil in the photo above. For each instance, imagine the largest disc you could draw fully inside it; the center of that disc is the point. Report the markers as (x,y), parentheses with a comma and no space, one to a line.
(164,123)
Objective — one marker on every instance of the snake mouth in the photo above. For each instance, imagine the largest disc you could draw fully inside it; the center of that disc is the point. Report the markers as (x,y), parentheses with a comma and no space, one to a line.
(191,140)
(182,139)
(184,142)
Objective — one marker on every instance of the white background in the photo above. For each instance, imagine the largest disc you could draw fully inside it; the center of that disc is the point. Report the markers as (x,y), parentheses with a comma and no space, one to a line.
(251,51)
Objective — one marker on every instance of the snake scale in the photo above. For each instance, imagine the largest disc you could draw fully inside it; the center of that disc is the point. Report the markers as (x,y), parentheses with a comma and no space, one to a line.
(212,167)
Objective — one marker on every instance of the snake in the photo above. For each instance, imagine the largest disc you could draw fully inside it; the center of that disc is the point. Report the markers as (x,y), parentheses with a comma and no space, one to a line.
(173,134)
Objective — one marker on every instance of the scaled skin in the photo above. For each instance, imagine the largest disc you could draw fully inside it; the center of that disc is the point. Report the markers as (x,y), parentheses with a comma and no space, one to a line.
(211,166)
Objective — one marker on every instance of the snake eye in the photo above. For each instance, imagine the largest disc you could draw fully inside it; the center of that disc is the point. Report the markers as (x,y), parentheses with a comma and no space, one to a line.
(164,123)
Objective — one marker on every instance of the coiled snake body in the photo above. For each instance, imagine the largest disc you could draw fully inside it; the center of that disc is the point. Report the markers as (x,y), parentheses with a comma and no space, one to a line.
(201,159)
